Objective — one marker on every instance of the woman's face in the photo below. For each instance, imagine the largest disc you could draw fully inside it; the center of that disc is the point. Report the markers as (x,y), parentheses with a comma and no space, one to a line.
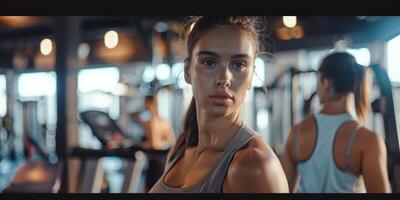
(220,69)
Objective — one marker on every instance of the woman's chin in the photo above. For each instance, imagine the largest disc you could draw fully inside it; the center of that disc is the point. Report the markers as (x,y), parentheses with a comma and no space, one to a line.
(219,111)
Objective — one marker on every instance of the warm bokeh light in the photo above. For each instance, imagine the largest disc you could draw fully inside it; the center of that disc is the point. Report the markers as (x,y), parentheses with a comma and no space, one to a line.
(46,46)
(290,21)
(111,39)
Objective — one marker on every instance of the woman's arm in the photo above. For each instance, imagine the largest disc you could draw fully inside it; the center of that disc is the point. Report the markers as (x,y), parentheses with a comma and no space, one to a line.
(289,164)
(374,164)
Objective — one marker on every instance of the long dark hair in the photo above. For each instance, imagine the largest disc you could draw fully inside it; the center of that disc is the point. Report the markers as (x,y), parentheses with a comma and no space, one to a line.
(192,31)
(347,76)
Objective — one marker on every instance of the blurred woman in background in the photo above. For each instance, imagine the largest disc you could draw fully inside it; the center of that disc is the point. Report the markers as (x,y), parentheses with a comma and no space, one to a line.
(158,135)
(330,150)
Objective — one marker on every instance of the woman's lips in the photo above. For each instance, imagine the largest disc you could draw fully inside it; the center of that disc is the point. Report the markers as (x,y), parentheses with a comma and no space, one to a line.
(220,99)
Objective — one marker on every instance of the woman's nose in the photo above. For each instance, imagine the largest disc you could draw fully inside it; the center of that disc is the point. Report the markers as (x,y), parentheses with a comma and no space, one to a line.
(223,77)
(223,83)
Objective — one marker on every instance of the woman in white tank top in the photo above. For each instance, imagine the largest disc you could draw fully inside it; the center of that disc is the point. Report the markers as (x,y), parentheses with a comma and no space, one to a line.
(330,151)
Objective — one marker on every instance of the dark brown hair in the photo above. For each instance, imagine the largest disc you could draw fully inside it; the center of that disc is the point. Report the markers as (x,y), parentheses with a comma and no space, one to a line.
(347,76)
(192,31)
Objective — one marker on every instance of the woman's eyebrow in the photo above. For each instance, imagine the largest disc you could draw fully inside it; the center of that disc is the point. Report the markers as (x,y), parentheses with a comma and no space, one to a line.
(209,53)
(241,56)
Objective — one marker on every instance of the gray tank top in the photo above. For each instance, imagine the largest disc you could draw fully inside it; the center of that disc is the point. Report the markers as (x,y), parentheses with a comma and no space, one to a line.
(213,181)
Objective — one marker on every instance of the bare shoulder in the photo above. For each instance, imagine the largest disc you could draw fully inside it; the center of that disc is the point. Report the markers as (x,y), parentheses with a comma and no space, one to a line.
(371,141)
(256,152)
(256,168)
(307,122)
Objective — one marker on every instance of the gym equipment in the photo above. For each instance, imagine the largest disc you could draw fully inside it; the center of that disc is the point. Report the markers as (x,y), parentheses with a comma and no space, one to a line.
(92,173)
(8,158)
(292,85)
(283,90)
(7,138)
(34,134)
(45,177)
(108,132)
(384,105)
(36,177)
(37,174)
(105,129)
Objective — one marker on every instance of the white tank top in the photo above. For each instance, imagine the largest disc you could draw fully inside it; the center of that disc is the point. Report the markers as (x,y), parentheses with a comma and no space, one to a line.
(320,174)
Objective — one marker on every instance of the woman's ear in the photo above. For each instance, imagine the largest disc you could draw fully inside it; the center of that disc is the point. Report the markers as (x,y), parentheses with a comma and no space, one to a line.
(327,86)
(187,72)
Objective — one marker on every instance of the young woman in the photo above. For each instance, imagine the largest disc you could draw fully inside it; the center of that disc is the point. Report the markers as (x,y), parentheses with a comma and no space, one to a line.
(330,150)
(216,152)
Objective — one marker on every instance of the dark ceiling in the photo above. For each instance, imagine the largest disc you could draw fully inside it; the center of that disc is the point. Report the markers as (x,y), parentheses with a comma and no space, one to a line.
(318,31)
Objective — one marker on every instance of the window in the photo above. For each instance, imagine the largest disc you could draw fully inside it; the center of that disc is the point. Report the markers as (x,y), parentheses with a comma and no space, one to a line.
(259,75)
(37,85)
(40,88)
(3,96)
(104,79)
(393,69)
(393,59)
(95,88)
(362,55)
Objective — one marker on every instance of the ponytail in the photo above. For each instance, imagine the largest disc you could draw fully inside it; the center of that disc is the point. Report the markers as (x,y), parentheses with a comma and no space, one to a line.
(189,136)
(360,91)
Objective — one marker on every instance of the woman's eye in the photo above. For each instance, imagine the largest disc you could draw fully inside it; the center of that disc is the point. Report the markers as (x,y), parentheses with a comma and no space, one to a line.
(208,63)
(239,65)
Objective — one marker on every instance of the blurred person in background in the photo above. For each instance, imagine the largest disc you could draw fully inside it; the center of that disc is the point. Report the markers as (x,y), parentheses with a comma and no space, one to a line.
(158,135)
(330,151)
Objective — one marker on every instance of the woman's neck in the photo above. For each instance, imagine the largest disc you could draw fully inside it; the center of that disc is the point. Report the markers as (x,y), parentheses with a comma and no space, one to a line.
(216,132)
(335,107)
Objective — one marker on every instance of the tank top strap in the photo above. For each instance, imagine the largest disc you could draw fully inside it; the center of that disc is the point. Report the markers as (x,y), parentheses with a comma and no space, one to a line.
(173,161)
(243,136)
(349,145)
(213,182)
